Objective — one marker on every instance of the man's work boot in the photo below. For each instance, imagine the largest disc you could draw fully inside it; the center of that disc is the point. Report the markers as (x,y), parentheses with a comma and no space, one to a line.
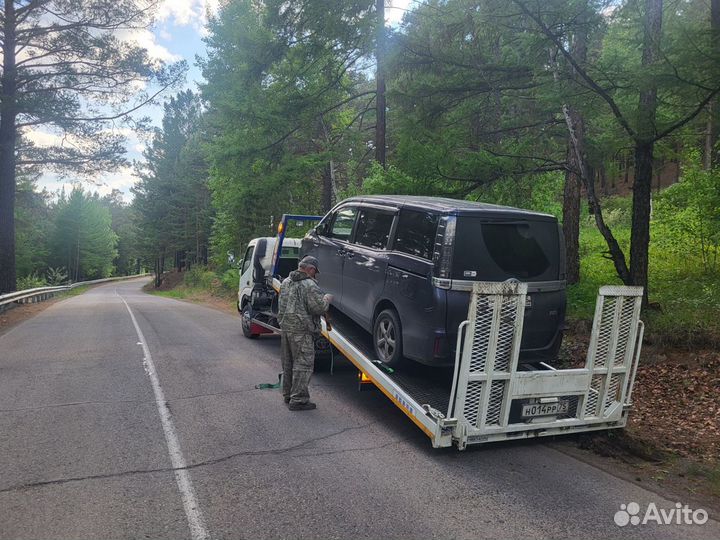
(307,406)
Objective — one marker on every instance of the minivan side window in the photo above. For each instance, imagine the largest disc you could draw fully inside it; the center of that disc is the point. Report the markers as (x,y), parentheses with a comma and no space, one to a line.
(416,233)
(343,224)
(373,228)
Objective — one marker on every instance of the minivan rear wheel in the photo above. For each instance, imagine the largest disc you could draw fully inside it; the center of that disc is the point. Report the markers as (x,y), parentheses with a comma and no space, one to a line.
(387,338)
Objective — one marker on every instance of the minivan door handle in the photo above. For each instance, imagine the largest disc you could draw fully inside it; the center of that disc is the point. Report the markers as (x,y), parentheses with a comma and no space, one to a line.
(350,254)
(341,252)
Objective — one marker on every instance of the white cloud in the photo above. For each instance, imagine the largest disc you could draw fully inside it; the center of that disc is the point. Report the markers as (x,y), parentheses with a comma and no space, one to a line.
(42,137)
(164,34)
(187,12)
(394,11)
(148,40)
(122,179)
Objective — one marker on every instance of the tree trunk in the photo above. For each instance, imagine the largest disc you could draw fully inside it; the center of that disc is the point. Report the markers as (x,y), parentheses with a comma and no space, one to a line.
(644,146)
(380,85)
(573,177)
(8,136)
(712,152)
(158,281)
(640,233)
(576,129)
(571,219)
(327,188)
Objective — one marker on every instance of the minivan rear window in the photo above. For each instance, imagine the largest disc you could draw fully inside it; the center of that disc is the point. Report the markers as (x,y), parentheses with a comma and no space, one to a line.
(416,233)
(496,250)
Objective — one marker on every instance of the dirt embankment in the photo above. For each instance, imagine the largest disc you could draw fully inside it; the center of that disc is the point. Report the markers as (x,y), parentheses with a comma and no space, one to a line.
(672,439)
(172,285)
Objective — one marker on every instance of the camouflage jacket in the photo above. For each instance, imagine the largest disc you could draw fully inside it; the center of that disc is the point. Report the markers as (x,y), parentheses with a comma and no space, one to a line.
(301,303)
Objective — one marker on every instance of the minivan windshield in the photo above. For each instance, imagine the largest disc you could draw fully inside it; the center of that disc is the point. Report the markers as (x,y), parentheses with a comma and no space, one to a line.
(499,250)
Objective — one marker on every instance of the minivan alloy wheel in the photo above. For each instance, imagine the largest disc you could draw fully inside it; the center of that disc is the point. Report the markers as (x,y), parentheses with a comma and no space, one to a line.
(385,339)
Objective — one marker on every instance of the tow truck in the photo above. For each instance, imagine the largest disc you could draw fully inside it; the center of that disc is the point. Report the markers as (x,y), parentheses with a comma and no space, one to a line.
(489,395)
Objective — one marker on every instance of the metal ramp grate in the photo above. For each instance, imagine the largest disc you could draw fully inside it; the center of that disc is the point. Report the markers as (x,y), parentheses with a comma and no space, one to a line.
(489,390)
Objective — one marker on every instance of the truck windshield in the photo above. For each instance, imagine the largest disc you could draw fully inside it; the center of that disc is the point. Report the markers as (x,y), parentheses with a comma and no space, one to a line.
(496,250)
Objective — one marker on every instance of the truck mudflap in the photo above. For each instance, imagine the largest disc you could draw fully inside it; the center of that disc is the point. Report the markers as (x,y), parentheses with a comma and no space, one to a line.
(494,398)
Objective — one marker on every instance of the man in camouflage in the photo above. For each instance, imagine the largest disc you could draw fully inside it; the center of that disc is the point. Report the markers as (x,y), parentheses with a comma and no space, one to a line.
(300,305)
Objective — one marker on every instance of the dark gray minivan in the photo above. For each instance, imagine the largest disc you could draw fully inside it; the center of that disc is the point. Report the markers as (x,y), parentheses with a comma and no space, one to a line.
(402,267)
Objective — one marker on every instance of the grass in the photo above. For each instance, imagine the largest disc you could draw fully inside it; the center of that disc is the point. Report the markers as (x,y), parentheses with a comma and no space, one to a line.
(74,292)
(711,475)
(197,284)
(683,298)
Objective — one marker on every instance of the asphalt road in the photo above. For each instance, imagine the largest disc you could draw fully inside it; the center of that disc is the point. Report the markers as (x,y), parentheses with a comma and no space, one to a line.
(108,430)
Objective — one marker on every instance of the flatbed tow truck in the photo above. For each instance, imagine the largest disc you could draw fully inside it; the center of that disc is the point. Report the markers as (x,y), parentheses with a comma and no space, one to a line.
(490,395)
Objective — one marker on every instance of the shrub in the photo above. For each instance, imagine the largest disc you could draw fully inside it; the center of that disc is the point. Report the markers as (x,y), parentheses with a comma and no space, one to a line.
(31,281)
(56,276)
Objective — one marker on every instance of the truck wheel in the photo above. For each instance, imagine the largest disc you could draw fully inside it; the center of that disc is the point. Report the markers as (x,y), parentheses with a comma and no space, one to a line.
(245,318)
(387,338)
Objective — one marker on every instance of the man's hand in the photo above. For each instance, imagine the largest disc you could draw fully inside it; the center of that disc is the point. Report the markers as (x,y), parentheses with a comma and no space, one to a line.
(328,298)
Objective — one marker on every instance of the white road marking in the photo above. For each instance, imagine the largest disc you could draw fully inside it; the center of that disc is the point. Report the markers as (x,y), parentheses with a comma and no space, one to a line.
(193,512)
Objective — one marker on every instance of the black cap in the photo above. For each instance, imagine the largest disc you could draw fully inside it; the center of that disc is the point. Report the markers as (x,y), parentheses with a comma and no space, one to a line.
(309,260)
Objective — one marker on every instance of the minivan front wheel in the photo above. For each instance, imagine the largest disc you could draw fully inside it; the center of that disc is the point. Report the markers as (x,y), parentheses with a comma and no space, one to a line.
(387,338)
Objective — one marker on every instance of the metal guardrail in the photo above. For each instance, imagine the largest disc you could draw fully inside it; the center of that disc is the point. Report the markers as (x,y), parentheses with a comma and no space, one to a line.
(43,293)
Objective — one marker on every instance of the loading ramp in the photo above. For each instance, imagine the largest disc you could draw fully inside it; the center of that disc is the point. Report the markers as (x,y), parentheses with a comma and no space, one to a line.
(489,395)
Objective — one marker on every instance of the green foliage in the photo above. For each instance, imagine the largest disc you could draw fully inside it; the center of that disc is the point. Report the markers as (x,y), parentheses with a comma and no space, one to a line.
(542,193)
(688,215)
(48,233)
(171,209)
(57,276)
(201,281)
(287,98)
(83,239)
(230,279)
(31,281)
(74,80)
(33,227)
(395,181)
(684,297)
(128,251)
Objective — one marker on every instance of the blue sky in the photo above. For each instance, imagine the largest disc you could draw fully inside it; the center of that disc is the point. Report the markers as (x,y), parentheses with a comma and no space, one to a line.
(177,34)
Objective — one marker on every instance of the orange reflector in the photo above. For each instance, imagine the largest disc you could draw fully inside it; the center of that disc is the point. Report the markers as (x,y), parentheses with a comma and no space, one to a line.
(363,378)
(281,227)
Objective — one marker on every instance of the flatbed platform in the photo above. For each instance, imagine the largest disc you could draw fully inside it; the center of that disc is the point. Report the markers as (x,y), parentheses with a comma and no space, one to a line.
(425,384)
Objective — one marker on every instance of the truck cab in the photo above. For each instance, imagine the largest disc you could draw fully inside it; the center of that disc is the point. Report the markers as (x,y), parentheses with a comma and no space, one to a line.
(256,267)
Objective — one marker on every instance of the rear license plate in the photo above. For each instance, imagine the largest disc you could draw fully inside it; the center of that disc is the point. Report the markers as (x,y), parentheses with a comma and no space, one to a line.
(545,409)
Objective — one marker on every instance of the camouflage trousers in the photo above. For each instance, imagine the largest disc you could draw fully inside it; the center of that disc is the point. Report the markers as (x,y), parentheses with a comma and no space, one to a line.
(297,352)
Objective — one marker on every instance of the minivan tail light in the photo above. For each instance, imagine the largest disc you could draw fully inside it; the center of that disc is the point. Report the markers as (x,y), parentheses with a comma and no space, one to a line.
(444,244)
